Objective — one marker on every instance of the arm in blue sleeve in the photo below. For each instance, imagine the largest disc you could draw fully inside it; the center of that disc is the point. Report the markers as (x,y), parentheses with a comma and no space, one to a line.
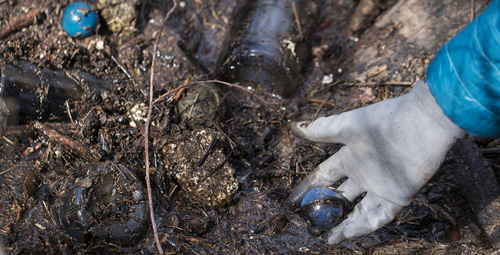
(464,77)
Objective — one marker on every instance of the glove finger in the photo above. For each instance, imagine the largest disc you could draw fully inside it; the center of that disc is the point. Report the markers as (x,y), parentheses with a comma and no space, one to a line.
(327,173)
(369,215)
(350,190)
(330,129)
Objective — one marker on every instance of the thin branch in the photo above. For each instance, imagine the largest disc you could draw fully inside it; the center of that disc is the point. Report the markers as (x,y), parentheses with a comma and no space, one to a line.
(320,101)
(297,18)
(228,84)
(472,10)
(146,132)
(20,22)
(85,151)
(262,100)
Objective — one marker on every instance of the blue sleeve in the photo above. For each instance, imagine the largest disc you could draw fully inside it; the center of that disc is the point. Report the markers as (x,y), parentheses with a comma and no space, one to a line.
(464,77)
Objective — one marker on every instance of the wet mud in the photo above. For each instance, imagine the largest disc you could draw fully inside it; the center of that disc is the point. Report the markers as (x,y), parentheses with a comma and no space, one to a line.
(222,158)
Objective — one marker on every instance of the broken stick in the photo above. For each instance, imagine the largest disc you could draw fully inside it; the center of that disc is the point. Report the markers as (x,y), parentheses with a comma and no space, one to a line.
(20,22)
(85,151)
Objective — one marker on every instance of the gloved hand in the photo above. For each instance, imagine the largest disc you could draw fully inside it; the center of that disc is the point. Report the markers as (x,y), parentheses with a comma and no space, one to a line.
(391,149)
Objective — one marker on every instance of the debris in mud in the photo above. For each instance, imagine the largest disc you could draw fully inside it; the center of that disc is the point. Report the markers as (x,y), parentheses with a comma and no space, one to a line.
(82,150)
(20,22)
(120,16)
(201,106)
(366,11)
(230,155)
(199,163)
(108,203)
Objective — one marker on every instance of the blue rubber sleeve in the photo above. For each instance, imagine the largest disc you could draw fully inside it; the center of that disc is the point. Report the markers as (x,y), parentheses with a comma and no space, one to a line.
(464,77)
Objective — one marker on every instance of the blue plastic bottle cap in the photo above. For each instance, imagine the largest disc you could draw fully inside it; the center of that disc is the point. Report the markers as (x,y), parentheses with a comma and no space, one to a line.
(79,20)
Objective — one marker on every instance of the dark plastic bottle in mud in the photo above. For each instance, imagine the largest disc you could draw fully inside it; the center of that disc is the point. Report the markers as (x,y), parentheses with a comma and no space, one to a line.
(268,45)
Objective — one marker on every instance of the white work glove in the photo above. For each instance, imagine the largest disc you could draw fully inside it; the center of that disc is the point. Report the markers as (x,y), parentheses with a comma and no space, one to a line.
(391,149)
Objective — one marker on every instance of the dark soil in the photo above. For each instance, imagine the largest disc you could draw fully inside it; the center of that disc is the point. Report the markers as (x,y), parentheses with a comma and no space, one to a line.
(67,144)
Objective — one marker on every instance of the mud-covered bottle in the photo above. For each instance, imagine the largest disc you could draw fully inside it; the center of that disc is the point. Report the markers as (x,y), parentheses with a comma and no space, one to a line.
(268,45)
(32,93)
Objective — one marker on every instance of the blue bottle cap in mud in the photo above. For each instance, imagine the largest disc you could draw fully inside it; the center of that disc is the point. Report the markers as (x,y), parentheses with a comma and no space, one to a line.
(79,20)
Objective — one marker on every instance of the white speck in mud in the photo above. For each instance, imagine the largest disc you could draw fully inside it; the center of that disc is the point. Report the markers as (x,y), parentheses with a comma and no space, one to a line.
(290,46)
(99,45)
(137,195)
(137,114)
(304,249)
(327,79)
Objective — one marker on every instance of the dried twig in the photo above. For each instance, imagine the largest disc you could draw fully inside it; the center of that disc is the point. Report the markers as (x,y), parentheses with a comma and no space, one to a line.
(6,171)
(123,70)
(180,88)
(260,99)
(295,13)
(320,101)
(20,22)
(489,150)
(68,108)
(228,84)
(472,10)
(146,132)
(83,150)
(231,142)
(411,219)
(179,93)
(379,84)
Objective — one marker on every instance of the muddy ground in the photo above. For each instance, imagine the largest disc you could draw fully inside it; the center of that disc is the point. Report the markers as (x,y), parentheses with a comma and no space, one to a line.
(221,169)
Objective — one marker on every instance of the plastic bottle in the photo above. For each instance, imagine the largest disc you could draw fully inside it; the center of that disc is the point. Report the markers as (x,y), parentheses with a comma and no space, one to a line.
(268,45)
